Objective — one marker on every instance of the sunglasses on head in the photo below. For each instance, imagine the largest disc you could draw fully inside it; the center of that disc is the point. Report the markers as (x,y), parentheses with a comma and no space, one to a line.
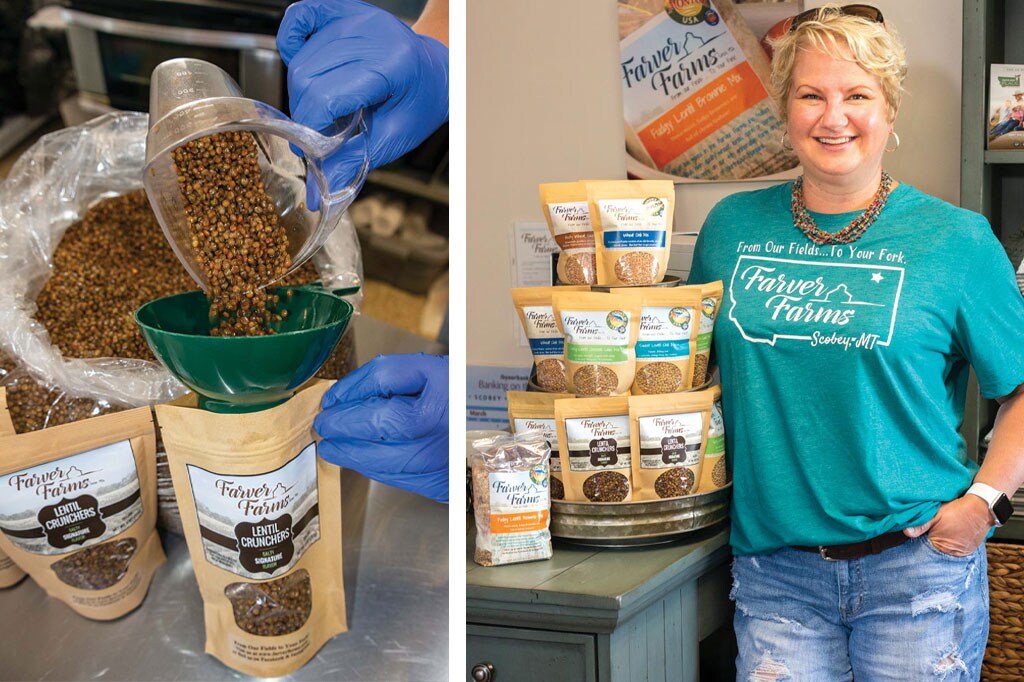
(864,11)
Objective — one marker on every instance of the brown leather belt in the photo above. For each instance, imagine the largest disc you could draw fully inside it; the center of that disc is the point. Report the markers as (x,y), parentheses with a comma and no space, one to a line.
(856,550)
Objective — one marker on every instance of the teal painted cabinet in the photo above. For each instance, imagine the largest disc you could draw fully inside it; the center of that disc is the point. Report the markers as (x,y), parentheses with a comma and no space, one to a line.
(604,615)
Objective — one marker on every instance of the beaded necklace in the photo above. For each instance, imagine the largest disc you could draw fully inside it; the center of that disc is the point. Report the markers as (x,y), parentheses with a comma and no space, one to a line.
(852,232)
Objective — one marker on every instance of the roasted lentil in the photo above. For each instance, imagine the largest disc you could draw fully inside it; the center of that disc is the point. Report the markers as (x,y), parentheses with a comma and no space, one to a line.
(557,489)
(606,486)
(97,567)
(237,237)
(674,483)
(272,608)
(108,263)
(481,509)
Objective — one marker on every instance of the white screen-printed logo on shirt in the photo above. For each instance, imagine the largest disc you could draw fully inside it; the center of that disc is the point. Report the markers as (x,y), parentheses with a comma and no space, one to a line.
(824,304)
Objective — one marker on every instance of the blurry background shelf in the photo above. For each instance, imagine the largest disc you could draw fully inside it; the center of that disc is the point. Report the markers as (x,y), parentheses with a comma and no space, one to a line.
(16,129)
(1002,156)
(991,182)
(425,189)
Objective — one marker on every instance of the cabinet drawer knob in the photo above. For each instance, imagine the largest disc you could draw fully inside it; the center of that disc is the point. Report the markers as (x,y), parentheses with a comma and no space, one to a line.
(482,672)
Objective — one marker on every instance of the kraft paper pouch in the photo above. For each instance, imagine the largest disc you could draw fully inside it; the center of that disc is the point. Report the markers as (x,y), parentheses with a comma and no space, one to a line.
(568,215)
(711,302)
(536,412)
(593,443)
(665,346)
(714,474)
(262,518)
(78,511)
(533,304)
(668,435)
(10,574)
(600,331)
(510,499)
(632,229)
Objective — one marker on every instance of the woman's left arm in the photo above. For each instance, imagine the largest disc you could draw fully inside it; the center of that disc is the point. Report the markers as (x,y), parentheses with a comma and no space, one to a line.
(1003,468)
(961,525)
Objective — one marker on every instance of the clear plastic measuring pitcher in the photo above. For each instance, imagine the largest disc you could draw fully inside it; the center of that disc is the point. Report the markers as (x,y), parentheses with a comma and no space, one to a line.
(190,99)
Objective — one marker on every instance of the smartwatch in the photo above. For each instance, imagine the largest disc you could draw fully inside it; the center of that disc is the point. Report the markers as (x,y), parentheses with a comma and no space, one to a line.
(998,503)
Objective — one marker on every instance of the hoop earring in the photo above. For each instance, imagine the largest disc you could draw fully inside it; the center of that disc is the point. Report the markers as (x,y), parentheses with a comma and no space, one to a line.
(782,142)
(893,133)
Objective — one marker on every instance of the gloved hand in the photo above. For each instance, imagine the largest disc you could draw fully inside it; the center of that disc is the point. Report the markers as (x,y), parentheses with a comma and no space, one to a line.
(388,420)
(346,54)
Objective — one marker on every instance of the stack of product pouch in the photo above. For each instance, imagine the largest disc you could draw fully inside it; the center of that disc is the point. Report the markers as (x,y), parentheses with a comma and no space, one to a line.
(78,513)
(644,424)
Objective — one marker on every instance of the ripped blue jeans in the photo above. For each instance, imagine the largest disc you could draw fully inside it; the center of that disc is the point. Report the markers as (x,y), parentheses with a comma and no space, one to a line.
(909,613)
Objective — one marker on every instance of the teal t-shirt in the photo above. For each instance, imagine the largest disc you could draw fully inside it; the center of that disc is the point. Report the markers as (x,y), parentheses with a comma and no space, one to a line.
(844,368)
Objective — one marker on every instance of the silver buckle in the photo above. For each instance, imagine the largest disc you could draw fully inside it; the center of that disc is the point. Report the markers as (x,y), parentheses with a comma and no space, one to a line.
(824,553)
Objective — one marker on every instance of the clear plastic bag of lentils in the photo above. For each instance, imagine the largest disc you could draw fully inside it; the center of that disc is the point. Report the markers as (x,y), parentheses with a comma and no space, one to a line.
(81,177)
(511,498)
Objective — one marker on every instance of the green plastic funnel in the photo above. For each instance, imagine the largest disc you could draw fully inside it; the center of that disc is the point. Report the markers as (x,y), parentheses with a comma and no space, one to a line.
(238,374)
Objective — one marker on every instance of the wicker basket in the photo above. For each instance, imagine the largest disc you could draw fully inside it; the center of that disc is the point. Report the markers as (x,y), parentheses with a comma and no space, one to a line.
(1004,656)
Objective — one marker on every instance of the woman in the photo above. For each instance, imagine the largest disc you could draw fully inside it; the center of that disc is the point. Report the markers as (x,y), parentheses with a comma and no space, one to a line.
(854,307)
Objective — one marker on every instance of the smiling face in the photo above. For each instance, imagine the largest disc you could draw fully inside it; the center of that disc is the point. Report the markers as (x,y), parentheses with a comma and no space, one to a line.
(838,120)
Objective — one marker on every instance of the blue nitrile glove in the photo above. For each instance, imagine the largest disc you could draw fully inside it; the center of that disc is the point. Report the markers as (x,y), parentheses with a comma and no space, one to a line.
(345,54)
(388,420)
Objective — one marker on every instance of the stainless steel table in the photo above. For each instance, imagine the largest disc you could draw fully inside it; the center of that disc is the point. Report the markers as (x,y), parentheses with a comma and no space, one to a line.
(396,590)
(374,337)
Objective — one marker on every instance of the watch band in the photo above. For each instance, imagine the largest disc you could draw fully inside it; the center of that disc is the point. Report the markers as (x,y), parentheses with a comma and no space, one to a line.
(999,504)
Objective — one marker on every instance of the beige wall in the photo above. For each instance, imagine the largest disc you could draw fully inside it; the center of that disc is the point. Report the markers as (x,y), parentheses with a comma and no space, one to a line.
(544,104)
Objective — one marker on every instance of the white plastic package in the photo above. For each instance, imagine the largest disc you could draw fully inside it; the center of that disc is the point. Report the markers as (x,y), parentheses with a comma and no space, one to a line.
(511,498)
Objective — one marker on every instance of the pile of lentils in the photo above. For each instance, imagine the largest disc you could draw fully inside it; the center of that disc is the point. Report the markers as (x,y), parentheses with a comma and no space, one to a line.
(606,486)
(237,237)
(106,265)
(97,567)
(272,608)
(674,483)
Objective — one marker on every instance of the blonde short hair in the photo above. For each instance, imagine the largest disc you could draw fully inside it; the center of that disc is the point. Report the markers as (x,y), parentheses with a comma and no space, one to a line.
(874,47)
